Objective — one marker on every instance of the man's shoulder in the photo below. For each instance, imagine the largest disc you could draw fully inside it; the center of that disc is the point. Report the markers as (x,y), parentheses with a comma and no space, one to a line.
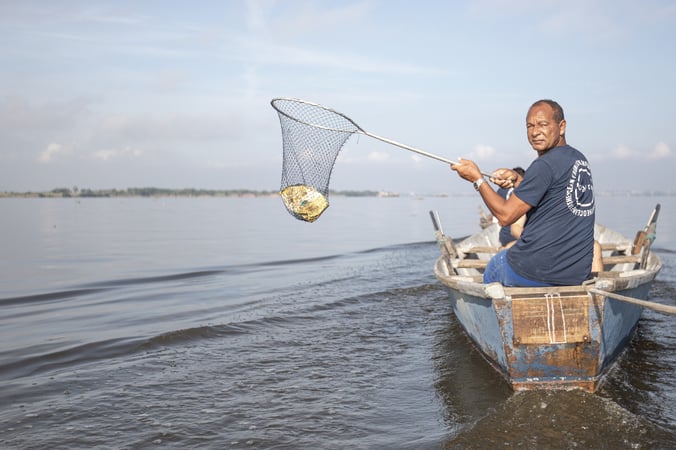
(563,152)
(569,148)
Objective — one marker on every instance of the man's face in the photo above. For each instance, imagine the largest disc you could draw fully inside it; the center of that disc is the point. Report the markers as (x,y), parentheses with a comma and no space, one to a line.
(544,132)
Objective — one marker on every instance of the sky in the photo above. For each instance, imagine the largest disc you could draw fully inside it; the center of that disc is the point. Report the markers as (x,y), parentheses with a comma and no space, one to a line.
(115,94)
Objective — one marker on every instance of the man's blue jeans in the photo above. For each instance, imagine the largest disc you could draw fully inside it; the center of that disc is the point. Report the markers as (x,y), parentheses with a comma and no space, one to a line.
(498,269)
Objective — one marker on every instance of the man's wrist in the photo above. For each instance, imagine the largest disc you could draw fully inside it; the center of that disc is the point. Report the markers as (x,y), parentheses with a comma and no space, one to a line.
(477,184)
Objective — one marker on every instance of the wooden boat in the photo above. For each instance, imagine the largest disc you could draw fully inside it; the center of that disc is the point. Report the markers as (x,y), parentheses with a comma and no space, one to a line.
(563,337)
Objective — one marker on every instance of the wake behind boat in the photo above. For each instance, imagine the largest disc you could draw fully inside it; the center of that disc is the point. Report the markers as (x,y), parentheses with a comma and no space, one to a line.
(562,337)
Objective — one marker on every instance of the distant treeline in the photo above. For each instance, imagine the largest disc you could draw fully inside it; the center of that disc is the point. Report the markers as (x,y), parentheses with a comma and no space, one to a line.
(163,192)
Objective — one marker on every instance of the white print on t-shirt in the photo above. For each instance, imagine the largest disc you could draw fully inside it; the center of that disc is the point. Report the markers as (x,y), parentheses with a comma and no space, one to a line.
(580,190)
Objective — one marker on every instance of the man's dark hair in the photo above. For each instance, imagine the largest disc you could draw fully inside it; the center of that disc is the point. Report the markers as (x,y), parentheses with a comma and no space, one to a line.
(519,170)
(558,111)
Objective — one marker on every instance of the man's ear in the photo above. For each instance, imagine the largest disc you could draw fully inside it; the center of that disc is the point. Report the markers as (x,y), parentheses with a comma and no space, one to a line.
(562,128)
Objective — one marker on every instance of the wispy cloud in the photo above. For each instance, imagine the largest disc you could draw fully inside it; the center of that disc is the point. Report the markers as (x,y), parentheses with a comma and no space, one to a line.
(54,151)
(483,152)
(313,18)
(272,53)
(661,151)
(622,152)
(378,156)
(592,21)
(291,37)
(109,154)
(169,127)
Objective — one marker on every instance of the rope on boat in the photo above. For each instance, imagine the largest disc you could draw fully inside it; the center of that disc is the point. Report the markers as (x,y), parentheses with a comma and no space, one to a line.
(652,305)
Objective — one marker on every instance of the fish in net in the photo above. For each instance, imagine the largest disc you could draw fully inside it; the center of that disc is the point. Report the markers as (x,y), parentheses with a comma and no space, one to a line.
(304,202)
(312,138)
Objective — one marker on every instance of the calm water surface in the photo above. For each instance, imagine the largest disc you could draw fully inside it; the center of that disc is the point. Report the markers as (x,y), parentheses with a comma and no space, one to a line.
(225,323)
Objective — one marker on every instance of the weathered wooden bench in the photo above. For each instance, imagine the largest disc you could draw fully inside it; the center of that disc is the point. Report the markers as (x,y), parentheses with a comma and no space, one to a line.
(472,263)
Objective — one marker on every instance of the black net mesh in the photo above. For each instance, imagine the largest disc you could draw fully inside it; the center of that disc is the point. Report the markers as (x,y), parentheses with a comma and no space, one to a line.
(312,138)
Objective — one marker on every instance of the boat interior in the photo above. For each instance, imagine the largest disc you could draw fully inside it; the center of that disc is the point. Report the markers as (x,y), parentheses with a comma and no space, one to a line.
(469,257)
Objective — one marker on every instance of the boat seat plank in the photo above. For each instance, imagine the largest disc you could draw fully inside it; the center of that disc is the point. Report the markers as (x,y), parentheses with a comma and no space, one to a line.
(620,259)
(614,246)
(605,274)
(607,260)
(608,246)
(480,249)
(472,263)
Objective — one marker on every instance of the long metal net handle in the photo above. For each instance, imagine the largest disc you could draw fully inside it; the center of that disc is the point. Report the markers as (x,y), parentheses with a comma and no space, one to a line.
(278,104)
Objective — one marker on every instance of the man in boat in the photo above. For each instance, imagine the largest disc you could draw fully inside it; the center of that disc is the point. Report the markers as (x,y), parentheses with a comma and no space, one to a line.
(557,196)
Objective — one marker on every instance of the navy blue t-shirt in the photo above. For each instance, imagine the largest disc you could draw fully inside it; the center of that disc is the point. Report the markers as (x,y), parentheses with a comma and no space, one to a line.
(557,242)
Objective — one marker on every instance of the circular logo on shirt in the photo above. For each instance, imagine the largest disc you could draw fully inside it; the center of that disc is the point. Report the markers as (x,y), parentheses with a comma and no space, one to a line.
(580,190)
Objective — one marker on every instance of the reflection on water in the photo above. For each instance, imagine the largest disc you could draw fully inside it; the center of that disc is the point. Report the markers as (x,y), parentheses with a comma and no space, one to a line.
(465,382)
(561,420)
(645,379)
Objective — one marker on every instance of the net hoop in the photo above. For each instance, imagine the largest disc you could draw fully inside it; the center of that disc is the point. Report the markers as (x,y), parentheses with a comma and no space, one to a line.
(284,105)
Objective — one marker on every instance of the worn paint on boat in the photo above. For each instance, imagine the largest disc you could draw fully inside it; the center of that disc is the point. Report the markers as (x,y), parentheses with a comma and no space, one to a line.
(560,337)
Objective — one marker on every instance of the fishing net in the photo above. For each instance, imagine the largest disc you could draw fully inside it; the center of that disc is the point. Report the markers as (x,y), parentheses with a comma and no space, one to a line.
(312,138)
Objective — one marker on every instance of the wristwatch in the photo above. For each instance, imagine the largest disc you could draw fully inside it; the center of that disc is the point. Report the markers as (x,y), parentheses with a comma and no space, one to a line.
(477,184)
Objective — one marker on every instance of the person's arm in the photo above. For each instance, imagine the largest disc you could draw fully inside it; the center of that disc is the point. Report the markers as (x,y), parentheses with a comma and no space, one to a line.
(506,211)
(517,227)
